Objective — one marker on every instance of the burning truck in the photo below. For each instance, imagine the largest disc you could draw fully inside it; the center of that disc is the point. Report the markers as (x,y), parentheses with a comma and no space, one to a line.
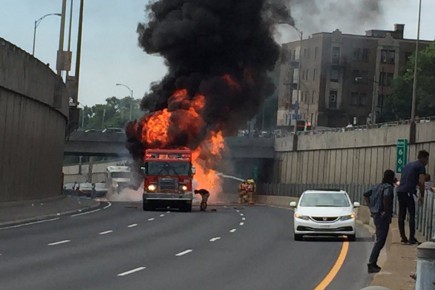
(168,179)
(219,55)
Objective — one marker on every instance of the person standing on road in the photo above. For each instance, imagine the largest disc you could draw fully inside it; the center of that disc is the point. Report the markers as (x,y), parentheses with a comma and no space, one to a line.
(380,202)
(413,174)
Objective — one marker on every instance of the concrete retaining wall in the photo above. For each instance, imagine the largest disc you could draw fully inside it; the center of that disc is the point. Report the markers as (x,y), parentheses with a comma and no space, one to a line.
(354,157)
(33,118)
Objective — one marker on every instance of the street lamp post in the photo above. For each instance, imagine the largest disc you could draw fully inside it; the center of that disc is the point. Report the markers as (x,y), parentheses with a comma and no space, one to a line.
(131,96)
(36,26)
(414,84)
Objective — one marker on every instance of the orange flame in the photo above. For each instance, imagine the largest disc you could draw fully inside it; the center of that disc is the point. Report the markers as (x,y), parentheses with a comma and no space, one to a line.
(231,81)
(157,128)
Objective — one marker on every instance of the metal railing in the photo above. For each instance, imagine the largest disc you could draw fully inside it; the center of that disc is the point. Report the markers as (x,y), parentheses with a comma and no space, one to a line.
(425,216)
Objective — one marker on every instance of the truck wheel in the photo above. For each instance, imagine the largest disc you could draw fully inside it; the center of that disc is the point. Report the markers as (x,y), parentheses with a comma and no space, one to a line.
(147,206)
(187,207)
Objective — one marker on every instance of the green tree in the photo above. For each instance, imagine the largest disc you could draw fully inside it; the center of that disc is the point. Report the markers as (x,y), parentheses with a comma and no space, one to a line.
(115,113)
(398,104)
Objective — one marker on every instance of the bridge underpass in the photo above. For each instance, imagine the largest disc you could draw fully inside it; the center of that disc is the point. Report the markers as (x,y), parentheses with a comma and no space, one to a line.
(244,157)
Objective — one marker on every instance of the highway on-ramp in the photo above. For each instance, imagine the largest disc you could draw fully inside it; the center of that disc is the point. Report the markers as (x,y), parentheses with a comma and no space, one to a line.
(120,246)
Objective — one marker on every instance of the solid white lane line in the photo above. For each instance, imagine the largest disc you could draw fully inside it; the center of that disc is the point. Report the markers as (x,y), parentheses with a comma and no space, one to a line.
(215,239)
(242,224)
(107,206)
(151,219)
(59,243)
(106,232)
(132,225)
(131,271)
(28,224)
(233,230)
(184,253)
(88,212)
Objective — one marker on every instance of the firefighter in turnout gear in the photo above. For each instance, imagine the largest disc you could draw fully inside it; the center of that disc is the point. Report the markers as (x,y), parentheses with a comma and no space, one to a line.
(204,198)
(250,190)
(243,192)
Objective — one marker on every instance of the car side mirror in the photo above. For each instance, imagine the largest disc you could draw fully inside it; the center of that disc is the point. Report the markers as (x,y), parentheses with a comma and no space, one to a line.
(293,204)
(356,204)
(193,170)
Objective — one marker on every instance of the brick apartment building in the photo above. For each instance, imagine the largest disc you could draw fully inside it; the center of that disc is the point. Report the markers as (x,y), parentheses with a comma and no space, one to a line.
(343,78)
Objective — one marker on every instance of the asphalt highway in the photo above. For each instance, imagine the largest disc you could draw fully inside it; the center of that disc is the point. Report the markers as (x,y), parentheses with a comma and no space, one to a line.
(119,246)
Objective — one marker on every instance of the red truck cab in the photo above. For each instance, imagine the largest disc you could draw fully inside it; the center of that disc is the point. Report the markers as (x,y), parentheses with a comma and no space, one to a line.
(168,176)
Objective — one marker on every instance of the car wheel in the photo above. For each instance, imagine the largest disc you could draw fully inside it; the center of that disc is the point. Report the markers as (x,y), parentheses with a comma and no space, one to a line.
(351,238)
(298,237)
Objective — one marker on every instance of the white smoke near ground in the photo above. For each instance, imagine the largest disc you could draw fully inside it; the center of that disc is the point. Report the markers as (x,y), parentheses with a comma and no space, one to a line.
(126,195)
(349,16)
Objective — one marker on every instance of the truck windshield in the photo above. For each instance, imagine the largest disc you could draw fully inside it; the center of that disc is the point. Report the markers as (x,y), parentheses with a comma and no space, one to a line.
(120,174)
(168,168)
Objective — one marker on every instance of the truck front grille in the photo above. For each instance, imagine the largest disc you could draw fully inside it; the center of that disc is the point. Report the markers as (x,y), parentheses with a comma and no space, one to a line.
(168,184)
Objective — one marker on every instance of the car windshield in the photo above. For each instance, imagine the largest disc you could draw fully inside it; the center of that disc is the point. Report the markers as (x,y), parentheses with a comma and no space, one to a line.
(120,174)
(168,168)
(324,199)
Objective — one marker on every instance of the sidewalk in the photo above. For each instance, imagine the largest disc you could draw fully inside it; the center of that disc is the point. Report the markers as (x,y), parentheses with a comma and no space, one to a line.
(397,261)
(34,210)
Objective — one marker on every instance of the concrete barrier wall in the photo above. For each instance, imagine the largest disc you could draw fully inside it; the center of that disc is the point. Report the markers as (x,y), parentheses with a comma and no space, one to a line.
(33,118)
(355,157)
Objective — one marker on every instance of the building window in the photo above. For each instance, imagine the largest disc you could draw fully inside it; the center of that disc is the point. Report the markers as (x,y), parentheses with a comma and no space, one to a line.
(365,55)
(360,77)
(385,79)
(388,56)
(357,54)
(335,55)
(354,99)
(363,99)
(333,99)
(334,75)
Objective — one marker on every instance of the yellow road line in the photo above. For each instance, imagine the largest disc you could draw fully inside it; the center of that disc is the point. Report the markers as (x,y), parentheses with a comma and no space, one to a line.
(334,270)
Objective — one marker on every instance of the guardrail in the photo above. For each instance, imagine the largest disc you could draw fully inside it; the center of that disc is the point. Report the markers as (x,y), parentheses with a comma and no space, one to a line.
(425,215)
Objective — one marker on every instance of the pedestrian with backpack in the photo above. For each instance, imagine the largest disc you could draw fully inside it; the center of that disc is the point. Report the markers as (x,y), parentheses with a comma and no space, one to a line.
(380,202)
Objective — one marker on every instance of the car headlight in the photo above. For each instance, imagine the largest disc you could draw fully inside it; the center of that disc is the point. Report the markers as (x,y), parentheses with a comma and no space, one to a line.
(302,217)
(348,217)
(183,188)
(152,187)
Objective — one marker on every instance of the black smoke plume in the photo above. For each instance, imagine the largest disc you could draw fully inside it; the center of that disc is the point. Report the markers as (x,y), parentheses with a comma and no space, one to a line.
(222,49)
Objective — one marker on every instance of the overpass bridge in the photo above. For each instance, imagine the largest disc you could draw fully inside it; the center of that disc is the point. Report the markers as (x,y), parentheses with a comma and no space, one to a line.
(82,143)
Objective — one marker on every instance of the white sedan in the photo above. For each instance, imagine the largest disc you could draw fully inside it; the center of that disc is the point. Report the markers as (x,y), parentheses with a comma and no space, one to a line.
(324,213)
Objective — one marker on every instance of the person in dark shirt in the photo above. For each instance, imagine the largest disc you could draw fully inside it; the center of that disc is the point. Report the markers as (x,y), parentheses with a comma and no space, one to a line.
(204,197)
(413,174)
(380,202)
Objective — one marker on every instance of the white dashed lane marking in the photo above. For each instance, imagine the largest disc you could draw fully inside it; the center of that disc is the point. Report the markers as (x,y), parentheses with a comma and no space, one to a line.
(243,218)
(151,219)
(59,243)
(242,224)
(132,225)
(106,232)
(233,230)
(215,239)
(162,215)
(184,253)
(131,271)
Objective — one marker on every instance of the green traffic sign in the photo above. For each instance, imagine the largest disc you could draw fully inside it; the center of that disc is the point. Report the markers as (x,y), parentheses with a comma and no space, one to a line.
(401,154)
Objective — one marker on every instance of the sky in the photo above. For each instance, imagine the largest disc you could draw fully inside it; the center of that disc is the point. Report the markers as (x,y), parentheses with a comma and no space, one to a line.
(110,51)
